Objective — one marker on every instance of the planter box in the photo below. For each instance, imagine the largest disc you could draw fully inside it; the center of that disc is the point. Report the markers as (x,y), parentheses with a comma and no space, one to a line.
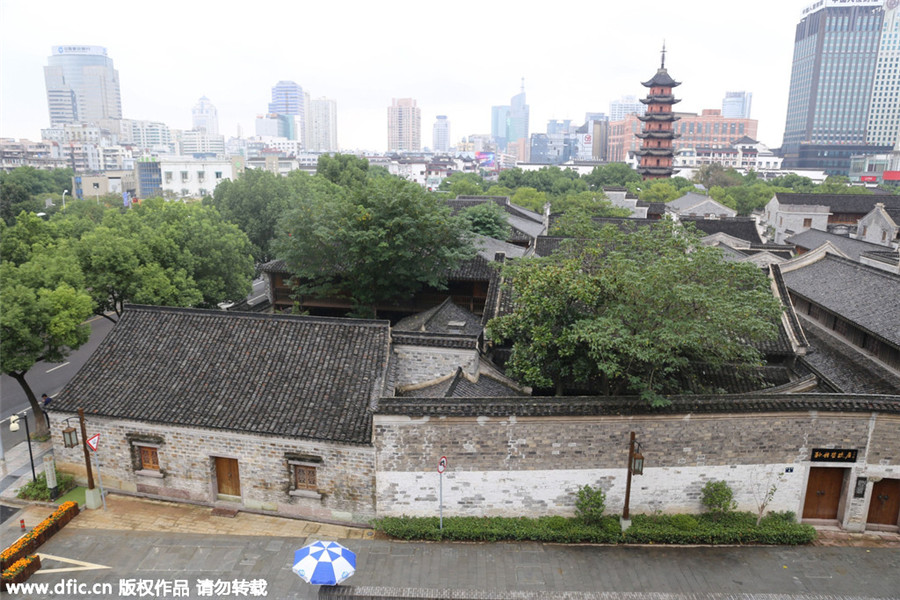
(22,575)
(32,542)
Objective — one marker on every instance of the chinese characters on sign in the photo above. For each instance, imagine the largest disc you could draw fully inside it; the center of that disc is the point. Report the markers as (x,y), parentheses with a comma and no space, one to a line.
(179,588)
(833,455)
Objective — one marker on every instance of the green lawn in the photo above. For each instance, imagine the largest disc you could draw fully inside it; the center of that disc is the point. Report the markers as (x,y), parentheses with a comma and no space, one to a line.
(75,495)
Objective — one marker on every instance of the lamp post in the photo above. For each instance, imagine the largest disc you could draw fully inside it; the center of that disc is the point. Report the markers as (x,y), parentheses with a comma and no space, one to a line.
(635,467)
(64,198)
(14,426)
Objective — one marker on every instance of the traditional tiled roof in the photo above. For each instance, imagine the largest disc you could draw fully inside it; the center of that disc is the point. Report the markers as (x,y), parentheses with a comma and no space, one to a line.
(813,238)
(305,377)
(461,386)
(692,199)
(614,406)
(863,295)
(443,318)
(489,247)
(274,266)
(844,366)
(840,203)
(661,79)
(475,269)
(740,227)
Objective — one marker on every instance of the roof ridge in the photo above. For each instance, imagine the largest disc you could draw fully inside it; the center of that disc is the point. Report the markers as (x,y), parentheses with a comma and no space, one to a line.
(253,315)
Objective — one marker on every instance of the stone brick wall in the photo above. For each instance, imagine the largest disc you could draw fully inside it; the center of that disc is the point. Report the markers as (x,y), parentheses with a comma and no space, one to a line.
(420,364)
(345,475)
(533,465)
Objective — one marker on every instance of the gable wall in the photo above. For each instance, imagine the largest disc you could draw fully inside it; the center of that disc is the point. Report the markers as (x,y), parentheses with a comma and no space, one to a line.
(345,476)
(421,364)
(532,466)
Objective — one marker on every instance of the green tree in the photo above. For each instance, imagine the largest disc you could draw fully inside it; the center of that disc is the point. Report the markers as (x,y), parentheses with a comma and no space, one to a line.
(660,190)
(530,198)
(40,320)
(839,184)
(630,312)
(373,244)
(463,184)
(612,174)
(256,201)
(487,219)
(716,175)
(343,169)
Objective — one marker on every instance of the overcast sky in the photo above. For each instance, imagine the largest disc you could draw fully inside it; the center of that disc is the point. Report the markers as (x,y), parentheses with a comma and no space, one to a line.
(455,58)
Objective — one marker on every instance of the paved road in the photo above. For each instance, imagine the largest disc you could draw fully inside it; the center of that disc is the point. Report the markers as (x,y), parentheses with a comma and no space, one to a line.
(503,570)
(47,378)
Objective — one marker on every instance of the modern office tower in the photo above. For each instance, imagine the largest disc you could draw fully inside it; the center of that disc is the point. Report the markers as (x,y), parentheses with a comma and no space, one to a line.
(321,125)
(736,105)
(205,117)
(276,125)
(658,152)
(404,126)
(884,106)
(82,85)
(835,60)
(288,98)
(441,134)
(626,105)
(518,117)
(500,125)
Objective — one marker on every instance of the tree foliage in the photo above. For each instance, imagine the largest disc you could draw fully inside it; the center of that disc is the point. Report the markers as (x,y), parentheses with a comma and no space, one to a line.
(611,175)
(373,244)
(487,219)
(630,312)
(343,169)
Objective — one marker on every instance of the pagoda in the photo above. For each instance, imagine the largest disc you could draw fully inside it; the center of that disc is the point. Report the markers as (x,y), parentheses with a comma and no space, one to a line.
(658,152)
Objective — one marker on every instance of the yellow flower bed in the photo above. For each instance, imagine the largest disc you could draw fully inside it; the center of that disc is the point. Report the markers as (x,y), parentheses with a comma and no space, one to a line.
(34,538)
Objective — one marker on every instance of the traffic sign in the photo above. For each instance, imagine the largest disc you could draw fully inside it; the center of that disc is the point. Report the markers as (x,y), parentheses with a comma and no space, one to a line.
(93,442)
(442,464)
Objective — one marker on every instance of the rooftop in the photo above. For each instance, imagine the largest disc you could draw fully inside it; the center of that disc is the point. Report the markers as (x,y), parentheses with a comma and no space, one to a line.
(307,377)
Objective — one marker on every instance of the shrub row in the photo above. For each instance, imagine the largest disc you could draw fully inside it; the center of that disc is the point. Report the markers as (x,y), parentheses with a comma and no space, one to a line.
(20,570)
(728,528)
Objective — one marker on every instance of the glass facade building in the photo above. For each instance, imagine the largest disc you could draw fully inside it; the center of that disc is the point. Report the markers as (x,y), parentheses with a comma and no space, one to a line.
(82,85)
(834,63)
(884,106)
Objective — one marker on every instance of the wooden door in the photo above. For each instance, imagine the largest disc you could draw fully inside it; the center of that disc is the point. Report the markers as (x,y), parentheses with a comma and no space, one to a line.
(823,493)
(228,477)
(884,507)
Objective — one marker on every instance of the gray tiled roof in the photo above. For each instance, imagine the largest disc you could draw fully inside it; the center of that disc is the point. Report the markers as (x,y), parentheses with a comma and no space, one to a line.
(446,317)
(743,228)
(306,377)
(813,238)
(459,386)
(865,296)
(596,406)
(846,367)
(840,203)
(488,248)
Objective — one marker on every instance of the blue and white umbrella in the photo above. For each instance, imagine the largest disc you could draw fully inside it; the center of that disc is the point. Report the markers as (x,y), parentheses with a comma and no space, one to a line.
(324,563)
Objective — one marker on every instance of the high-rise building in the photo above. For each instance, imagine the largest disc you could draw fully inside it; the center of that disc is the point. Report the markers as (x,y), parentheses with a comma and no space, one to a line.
(288,98)
(884,106)
(518,117)
(736,105)
(82,85)
(500,125)
(624,106)
(658,152)
(404,126)
(441,134)
(509,123)
(321,125)
(205,117)
(836,48)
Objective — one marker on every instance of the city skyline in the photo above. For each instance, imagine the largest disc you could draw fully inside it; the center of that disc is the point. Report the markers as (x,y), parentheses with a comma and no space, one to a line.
(350,62)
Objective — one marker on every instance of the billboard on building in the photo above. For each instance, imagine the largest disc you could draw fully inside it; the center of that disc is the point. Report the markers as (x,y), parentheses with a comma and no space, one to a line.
(891,175)
(486,160)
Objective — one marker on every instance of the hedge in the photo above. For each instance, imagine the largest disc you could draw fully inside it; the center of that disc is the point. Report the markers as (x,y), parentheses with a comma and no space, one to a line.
(729,528)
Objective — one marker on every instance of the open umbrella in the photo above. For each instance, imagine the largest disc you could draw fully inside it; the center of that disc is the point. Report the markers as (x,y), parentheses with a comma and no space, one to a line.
(324,563)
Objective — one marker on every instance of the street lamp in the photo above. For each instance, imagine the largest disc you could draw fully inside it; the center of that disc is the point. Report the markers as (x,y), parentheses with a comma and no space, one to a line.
(14,426)
(64,198)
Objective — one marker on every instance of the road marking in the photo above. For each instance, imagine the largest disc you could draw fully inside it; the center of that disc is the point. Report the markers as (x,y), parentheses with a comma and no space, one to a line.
(82,566)
(58,367)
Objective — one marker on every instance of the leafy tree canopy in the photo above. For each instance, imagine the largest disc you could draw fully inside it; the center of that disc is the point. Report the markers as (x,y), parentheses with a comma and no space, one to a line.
(487,219)
(630,312)
(343,169)
(373,244)
(611,175)
(463,184)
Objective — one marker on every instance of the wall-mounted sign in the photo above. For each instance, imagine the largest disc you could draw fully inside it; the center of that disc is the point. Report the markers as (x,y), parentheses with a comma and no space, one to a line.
(833,455)
(860,490)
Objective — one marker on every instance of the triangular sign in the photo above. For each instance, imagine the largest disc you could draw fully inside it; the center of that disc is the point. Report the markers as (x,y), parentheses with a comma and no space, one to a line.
(93,442)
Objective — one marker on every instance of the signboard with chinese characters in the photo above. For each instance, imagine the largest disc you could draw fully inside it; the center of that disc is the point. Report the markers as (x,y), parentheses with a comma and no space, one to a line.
(833,455)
